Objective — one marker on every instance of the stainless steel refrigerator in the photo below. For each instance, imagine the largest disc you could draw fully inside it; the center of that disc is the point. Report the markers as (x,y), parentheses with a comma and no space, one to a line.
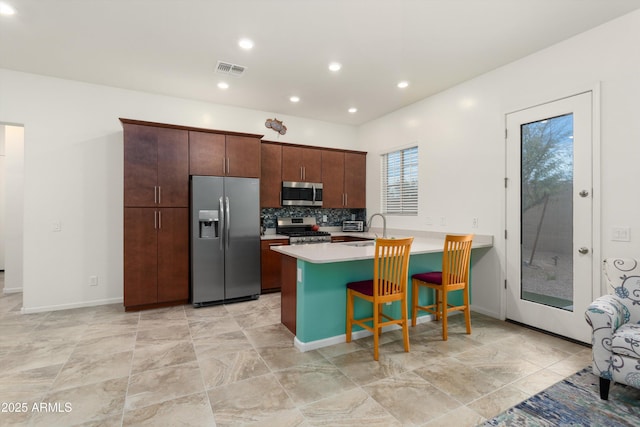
(225,239)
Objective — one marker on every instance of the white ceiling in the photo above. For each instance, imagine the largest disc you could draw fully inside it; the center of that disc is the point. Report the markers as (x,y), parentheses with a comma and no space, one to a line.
(171,47)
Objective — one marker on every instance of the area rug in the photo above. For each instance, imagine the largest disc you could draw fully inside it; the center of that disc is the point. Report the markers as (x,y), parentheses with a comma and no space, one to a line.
(575,401)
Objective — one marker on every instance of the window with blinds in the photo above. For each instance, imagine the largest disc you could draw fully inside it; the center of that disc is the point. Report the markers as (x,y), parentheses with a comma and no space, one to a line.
(400,182)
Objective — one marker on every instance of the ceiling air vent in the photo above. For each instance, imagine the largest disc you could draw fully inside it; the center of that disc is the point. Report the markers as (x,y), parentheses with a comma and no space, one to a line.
(230,69)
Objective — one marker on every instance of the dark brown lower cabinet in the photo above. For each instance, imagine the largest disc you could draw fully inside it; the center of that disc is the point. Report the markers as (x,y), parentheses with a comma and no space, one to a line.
(156,257)
(288,296)
(271,276)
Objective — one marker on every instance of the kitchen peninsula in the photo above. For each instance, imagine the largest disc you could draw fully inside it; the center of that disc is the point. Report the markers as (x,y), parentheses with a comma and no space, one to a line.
(314,279)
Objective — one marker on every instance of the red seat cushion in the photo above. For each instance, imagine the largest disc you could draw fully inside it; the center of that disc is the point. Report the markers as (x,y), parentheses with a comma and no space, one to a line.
(430,277)
(363,286)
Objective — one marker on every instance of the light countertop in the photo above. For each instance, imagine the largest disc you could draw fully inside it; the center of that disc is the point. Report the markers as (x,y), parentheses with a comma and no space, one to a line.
(320,253)
(273,236)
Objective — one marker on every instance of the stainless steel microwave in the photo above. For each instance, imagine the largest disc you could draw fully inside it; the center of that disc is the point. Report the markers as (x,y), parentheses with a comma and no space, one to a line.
(301,193)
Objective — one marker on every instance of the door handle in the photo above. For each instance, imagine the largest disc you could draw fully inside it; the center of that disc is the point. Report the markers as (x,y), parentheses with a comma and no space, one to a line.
(228,220)
(583,193)
(583,250)
(222,218)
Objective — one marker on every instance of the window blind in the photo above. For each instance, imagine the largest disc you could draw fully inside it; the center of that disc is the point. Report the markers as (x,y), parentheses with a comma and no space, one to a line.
(400,182)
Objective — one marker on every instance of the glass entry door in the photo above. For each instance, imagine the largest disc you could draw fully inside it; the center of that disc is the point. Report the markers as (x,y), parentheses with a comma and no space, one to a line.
(549,210)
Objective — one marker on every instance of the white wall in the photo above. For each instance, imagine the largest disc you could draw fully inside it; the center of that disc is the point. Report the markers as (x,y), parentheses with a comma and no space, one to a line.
(13,207)
(2,197)
(73,166)
(460,133)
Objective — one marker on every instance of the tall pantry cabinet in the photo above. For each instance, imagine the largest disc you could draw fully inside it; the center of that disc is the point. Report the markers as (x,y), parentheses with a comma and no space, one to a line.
(156,215)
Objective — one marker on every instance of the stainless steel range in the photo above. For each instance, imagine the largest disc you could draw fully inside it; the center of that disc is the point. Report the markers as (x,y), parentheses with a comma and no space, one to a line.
(301,230)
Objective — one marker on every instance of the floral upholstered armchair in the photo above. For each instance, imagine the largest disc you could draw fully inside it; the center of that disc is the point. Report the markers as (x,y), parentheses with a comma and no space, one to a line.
(615,319)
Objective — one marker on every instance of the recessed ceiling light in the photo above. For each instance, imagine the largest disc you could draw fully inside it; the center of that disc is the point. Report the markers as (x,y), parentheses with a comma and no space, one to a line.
(335,66)
(223,85)
(353,110)
(294,99)
(246,44)
(6,10)
(403,84)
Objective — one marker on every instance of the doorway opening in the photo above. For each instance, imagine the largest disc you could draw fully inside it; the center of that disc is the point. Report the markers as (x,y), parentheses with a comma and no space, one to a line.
(11,206)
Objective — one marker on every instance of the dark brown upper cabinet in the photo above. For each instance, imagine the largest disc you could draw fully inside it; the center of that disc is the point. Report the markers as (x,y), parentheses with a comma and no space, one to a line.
(301,164)
(271,175)
(156,166)
(224,155)
(344,179)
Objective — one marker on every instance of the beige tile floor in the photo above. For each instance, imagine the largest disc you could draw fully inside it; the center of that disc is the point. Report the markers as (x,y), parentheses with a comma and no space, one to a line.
(236,365)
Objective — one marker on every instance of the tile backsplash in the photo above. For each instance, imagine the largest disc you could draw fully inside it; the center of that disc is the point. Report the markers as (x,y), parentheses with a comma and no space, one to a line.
(334,216)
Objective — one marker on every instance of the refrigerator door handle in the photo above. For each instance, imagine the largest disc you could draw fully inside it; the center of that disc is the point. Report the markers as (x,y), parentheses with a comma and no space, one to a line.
(228,221)
(222,218)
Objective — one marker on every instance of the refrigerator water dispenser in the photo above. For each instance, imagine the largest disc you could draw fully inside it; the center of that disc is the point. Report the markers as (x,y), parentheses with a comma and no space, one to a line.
(208,224)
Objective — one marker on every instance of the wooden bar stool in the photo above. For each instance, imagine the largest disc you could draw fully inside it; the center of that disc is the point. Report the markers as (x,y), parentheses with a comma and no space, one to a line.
(454,276)
(390,277)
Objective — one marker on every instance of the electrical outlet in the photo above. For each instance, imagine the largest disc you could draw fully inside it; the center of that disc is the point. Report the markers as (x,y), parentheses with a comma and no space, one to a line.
(93,280)
(474,222)
(56,226)
(324,218)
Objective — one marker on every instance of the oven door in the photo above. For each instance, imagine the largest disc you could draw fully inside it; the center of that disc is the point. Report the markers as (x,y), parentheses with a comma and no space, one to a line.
(301,193)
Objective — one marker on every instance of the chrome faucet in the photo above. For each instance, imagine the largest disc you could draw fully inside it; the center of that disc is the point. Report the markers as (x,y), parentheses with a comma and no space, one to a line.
(384,224)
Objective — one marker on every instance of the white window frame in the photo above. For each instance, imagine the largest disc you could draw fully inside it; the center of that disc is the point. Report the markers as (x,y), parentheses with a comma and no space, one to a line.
(404,171)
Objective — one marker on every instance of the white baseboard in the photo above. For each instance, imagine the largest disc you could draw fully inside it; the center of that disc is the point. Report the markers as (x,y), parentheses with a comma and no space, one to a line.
(338,339)
(485,312)
(11,290)
(93,303)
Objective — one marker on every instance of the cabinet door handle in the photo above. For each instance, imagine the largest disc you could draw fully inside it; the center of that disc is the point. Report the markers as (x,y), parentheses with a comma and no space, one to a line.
(224,166)
(346,199)
(228,166)
(155,220)
(159,195)
(159,220)
(155,195)
(301,176)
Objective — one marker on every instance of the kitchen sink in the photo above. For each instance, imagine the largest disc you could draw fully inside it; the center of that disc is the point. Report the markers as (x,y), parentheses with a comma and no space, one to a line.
(359,244)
